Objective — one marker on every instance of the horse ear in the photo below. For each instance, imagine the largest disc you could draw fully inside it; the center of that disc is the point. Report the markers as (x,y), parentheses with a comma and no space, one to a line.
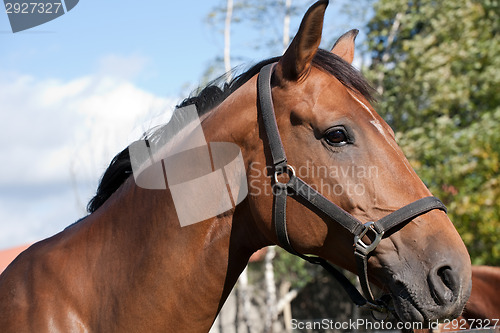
(344,46)
(297,59)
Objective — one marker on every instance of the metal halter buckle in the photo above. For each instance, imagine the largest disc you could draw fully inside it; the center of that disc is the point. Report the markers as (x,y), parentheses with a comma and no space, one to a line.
(367,248)
(288,169)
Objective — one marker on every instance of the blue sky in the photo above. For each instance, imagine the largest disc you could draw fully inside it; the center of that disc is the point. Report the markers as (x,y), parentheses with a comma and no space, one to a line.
(78,89)
(168,40)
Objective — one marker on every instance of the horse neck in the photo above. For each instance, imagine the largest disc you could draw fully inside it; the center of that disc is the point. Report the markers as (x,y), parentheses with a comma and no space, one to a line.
(202,260)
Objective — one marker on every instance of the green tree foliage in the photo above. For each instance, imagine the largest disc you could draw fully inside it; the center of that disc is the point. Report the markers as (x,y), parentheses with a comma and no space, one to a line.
(443,61)
(440,76)
(462,167)
(294,269)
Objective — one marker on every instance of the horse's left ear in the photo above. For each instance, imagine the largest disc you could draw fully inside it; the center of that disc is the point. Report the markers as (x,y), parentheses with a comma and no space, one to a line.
(344,46)
(295,63)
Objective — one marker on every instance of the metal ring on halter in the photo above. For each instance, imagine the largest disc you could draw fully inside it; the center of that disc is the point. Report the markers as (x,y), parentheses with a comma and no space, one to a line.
(290,171)
(375,307)
(386,309)
(387,313)
(367,248)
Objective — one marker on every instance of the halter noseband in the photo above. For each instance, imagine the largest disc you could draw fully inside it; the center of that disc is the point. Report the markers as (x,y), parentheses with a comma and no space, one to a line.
(298,189)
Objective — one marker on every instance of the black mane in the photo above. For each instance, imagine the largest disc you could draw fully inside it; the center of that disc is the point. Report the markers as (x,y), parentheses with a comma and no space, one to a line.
(211,96)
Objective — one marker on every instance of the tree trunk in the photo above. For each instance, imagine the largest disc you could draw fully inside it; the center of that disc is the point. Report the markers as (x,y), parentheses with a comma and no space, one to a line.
(227,38)
(270,290)
(286,25)
(285,304)
(245,299)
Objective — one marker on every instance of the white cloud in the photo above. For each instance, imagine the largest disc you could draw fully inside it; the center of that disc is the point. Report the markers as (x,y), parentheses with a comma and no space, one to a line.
(124,67)
(56,139)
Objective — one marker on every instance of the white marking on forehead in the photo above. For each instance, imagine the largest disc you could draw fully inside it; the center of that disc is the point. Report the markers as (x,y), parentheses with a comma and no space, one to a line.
(376,123)
(378,126)
(362,104)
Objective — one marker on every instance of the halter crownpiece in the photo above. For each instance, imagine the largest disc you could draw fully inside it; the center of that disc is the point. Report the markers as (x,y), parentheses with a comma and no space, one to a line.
(300,190)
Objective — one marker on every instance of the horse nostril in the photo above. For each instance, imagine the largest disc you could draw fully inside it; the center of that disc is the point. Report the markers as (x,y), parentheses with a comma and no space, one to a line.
(443,283)
(444,273)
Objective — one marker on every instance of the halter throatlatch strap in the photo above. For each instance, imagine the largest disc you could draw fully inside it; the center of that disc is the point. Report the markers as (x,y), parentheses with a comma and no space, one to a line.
(300,190)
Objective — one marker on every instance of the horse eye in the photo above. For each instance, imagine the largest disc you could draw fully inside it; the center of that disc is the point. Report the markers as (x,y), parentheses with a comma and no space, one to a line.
(336,137)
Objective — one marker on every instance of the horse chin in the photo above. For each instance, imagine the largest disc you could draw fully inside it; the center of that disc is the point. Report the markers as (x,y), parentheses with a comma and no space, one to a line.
(407,311)
(413,304)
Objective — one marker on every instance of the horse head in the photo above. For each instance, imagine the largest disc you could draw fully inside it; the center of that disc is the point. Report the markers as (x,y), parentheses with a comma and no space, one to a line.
(340,146)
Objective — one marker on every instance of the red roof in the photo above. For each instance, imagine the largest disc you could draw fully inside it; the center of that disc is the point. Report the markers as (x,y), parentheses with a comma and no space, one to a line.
(6,256)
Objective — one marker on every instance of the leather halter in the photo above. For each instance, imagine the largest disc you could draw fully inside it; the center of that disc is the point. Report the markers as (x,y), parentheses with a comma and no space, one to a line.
(299,190)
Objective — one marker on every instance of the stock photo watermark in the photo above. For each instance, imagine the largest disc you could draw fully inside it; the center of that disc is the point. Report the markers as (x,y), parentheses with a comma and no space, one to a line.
(323,174)
(382,325)
(357,324)
(206,179)
(26,14)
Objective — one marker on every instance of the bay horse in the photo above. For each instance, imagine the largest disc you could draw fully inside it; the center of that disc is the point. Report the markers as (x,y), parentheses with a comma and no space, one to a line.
(130,266)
